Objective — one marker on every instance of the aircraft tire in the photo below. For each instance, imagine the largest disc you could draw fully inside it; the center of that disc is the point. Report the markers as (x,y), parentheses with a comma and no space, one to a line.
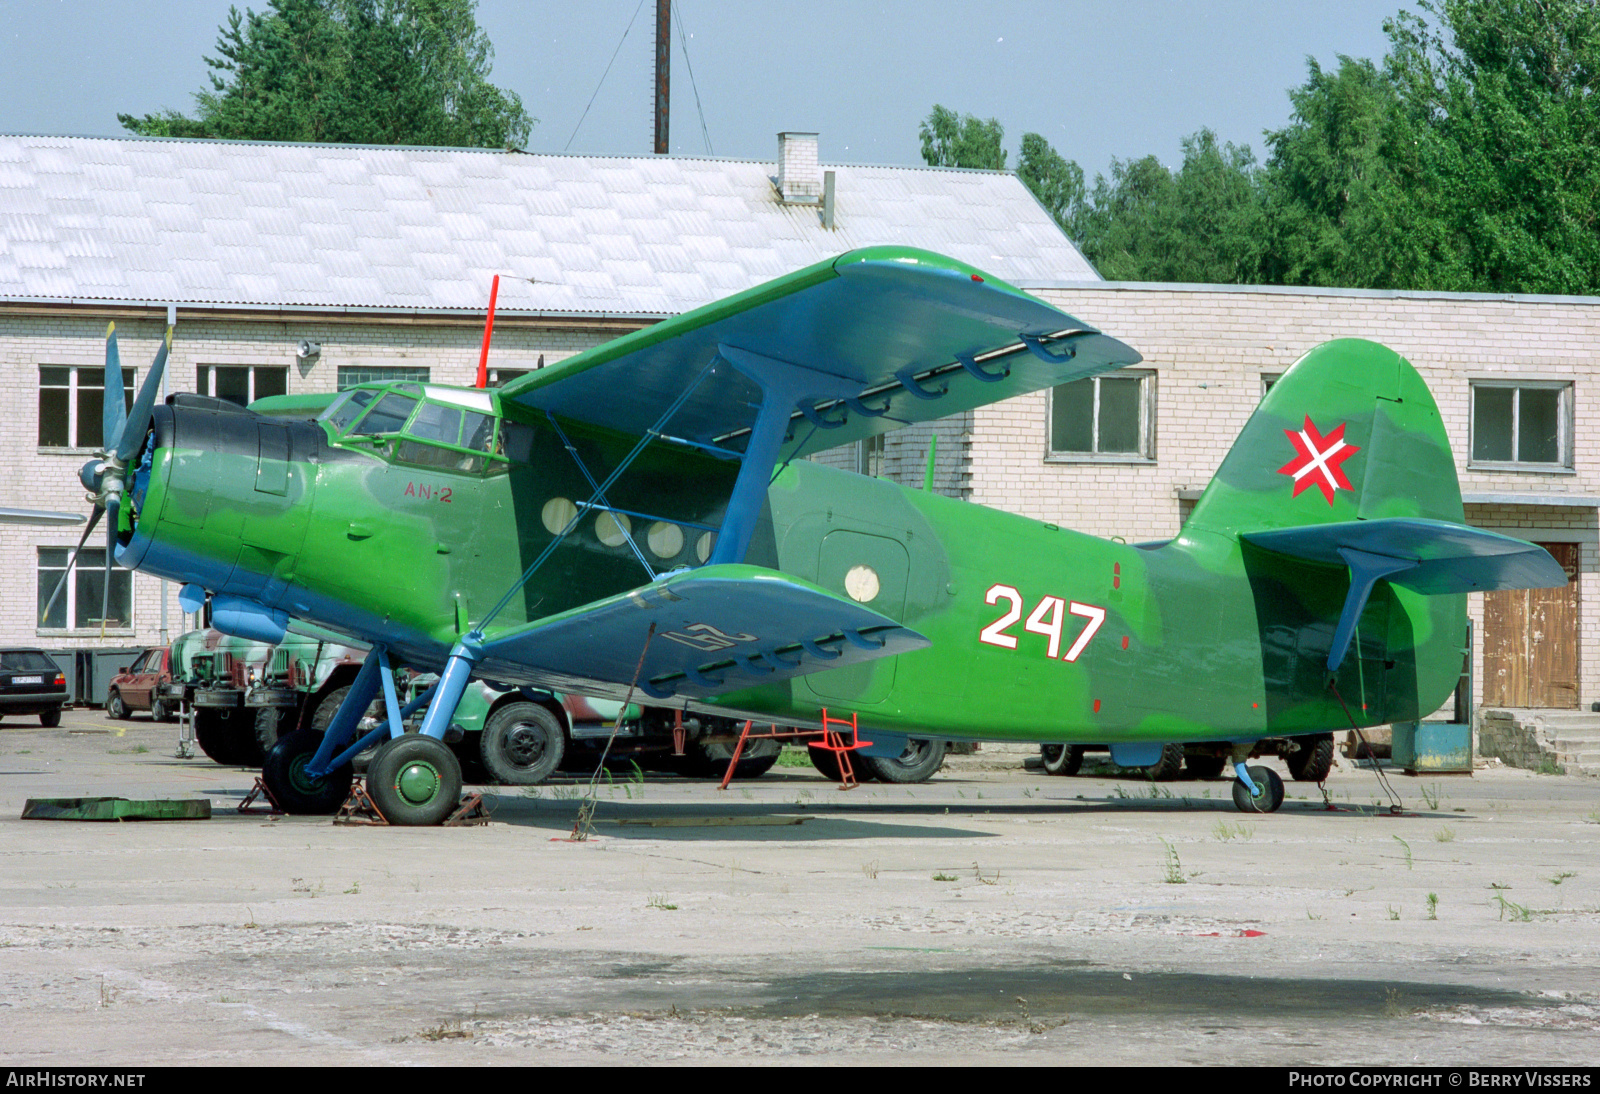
(414,780)
(284,773)
(1269,792)
(1313,760)
(522,744)
(1202,766)
(1061,759)
(1166,769)
(116,708)
(222,734)
(917,764)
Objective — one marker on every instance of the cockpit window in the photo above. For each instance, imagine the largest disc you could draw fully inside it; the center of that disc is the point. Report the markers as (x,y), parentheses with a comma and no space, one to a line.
(477,432)
(348,407)
(388,416)
(436,422)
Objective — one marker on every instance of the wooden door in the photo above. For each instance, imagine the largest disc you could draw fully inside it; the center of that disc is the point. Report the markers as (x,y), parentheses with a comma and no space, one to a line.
(1530,641)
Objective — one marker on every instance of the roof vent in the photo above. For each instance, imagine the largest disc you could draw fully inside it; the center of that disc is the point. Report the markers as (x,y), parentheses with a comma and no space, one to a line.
(799,178)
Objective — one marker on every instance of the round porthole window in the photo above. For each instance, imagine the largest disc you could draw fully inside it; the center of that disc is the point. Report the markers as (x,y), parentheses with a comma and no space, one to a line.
(557,514)
(665,540)
(613,528)
(703,545)
(862,584)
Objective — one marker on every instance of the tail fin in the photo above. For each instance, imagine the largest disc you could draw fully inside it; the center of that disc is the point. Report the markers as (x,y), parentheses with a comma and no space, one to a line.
(1350,432)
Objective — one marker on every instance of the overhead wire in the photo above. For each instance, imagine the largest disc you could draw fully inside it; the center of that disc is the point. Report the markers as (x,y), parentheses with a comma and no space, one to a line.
(606,73)
(677,17)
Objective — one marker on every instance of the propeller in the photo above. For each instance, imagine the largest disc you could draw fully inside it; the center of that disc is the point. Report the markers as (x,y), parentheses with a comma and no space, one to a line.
(106,476)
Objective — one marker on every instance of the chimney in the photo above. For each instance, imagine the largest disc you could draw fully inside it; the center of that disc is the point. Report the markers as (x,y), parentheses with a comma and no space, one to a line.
(799,178)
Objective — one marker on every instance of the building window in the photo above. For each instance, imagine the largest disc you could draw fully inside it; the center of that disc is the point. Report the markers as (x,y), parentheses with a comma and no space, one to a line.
(1104,417)
(242,384)
(72,402)
(869,456)
(78,607)
(351,375)
(1267,380)
(1527,425)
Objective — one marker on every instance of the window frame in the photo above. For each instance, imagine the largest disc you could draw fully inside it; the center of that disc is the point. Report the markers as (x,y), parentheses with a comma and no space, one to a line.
(1147,423)
(130,383)
(69,594)
(1564,464)
(206,379)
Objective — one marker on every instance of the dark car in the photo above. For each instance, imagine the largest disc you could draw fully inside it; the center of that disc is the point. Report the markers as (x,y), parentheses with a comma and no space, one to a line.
(31,683)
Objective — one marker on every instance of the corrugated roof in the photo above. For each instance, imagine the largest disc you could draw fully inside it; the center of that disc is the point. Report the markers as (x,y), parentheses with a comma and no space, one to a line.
(291,225)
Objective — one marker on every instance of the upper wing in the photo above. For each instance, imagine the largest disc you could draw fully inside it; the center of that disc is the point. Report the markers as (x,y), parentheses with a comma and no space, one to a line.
(876,338)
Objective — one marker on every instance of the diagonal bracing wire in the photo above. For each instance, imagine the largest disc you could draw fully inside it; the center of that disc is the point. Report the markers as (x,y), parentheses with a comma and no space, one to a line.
(677,17)
(606,73)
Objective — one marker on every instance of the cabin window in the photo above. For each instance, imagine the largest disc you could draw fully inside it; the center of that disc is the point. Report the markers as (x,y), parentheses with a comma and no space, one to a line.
(79,605)
(72,402)
(242,384)
(1522,425)
(437,425)
(1109,417)
(388,415)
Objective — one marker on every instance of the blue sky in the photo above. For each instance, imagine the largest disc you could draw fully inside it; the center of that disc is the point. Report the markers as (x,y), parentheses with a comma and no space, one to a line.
(1099,79)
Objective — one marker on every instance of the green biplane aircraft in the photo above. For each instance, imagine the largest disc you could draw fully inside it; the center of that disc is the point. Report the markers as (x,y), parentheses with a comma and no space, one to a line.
(639,515)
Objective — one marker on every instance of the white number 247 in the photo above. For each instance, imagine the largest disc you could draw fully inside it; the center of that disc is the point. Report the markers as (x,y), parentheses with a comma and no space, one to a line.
(1047,618)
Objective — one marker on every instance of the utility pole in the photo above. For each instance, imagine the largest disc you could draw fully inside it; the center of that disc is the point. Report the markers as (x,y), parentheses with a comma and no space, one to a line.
(663,72)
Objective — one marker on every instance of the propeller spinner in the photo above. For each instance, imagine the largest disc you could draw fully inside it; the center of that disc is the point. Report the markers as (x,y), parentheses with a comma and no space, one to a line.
(106,476)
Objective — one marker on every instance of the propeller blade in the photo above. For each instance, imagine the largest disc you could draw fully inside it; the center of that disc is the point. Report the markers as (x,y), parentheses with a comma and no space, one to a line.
(62,584)
(113,504)
(112,413)
(139,420)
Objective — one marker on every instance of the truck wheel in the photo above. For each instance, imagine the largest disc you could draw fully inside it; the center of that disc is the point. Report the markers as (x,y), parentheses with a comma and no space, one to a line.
(1313,760)
(711,760)
(522,744)
(295,792)
(1061,759)
(916,764)
(267,723)
(223,734)
(1166,769)
(116,708)
(414,780)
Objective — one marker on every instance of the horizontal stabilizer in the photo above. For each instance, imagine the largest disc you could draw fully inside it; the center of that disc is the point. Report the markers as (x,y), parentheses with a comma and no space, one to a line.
(1433,557)
(1442,557)
(718,629)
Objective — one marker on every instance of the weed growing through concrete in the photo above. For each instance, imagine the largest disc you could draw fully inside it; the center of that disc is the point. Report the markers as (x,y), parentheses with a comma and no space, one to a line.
(1407,848)
(1519,913)
(944,877)
(1549,766)
(1433,905)
(1174,868)
(354,890)
(990,880)
(1225,831)
(659,902)
(870,869)
(1559,878)
(1444,835)
(1433,795)
(1394,913)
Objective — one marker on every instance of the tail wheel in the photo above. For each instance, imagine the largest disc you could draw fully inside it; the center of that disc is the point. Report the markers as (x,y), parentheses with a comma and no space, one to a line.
(284,772)
(1061,759)
(1268,795)
(522,744)
(414,780)
(916,764)
(1313,760)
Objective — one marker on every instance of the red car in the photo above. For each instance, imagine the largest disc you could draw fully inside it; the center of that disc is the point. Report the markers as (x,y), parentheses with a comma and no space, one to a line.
(142,686)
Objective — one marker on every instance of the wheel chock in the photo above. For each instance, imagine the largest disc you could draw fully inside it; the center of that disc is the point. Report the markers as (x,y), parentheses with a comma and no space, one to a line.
(259,790)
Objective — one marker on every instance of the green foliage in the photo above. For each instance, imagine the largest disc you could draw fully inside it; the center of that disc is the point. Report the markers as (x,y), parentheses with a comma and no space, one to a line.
(951,140)
(1467,159)
(352,71)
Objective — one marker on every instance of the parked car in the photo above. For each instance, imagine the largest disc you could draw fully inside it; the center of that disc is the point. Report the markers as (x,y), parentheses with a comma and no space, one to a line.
(143,685)
(31,683)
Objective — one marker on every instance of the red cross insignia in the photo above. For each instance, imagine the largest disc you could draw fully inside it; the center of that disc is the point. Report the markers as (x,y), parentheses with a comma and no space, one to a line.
(1317,459)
